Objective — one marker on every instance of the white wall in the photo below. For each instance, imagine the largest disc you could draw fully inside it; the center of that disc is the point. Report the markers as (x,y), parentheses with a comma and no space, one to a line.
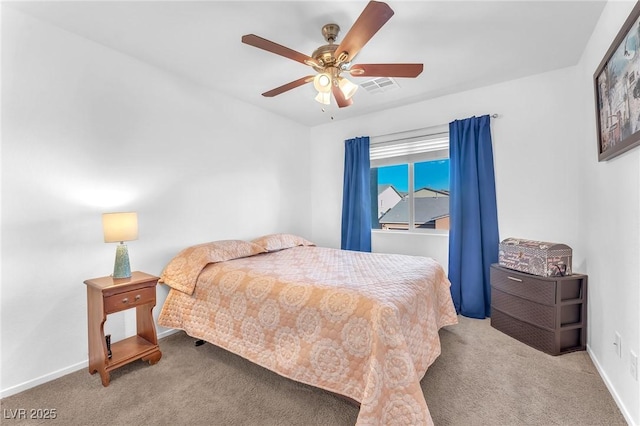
(610,202)
(434,245)
(549,187)
(533,138)
(87,130)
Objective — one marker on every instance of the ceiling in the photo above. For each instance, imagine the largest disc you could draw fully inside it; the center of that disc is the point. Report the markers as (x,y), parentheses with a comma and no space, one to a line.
(463,45)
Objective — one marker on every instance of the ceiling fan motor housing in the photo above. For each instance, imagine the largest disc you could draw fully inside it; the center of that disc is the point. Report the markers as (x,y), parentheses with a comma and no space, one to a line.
(324,55)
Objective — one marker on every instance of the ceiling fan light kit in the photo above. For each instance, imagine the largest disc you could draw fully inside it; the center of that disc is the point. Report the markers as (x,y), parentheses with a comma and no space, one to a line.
(323,97)
(322,82)
(331,59)
(347,87)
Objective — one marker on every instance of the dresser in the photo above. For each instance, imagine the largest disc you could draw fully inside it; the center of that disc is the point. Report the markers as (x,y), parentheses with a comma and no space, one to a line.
(546,313)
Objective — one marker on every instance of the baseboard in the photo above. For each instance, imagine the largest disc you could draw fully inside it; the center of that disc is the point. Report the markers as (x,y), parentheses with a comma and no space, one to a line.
(59,373)
(43,379)
(612,391)
(167,333)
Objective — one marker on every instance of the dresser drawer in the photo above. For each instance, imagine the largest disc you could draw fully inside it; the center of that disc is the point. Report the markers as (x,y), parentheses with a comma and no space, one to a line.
(534,313)
(129,299)
(522,285)
(553,343)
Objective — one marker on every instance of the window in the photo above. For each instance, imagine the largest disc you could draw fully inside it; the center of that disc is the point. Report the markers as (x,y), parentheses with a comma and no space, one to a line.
(410,182)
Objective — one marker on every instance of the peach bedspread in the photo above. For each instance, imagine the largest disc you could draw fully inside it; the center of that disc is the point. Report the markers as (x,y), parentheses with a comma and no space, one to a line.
(363,325)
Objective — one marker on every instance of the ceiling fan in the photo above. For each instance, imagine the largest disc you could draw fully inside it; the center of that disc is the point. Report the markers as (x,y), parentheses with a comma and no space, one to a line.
(331,60)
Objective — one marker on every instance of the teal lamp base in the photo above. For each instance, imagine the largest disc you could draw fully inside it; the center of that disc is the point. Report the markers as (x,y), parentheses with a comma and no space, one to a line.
(122,269)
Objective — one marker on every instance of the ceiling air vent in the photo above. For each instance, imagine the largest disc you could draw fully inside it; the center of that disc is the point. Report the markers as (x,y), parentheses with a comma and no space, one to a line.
(379,85)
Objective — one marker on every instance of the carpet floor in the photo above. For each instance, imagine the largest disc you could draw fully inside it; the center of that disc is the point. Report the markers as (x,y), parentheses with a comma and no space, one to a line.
(483,377)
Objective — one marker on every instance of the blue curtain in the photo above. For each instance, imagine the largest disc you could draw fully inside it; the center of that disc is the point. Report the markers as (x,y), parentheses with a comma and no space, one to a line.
(473,234)
(356,196)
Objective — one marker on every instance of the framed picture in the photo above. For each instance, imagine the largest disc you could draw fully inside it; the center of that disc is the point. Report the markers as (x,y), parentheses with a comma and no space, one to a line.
(617,91)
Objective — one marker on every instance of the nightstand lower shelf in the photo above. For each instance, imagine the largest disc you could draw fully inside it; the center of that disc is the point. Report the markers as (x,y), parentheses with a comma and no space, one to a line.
(132,349)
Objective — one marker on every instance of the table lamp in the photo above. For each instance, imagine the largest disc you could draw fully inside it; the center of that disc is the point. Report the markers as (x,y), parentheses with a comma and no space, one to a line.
(118,228)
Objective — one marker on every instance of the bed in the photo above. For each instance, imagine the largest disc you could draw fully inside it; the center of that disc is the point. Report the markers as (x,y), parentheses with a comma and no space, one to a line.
(361,325)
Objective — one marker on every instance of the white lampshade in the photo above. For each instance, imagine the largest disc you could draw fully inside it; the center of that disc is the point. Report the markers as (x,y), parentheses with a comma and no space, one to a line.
(348,88)
(120,227)
(322,82)
(323,98)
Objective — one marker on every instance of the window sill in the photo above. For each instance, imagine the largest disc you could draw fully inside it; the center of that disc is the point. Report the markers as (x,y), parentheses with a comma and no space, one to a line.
(426,232)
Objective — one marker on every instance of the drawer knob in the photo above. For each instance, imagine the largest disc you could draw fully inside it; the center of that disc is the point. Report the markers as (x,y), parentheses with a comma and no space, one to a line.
(515,279)
(138,297)
(125,300)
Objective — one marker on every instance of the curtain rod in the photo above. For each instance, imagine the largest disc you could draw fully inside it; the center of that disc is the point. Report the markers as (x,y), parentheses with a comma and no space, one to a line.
(421,129)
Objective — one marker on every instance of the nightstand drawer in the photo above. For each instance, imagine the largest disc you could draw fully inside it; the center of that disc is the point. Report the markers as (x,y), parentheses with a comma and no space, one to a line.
(129,299)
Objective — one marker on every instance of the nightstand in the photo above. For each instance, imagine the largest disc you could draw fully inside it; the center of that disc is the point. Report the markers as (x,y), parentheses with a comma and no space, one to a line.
(107,295)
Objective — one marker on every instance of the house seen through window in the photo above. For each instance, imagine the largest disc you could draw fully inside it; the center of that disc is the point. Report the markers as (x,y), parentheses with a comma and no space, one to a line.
(410,183)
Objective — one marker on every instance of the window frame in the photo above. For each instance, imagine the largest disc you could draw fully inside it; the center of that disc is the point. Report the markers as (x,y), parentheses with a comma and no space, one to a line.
(436,135)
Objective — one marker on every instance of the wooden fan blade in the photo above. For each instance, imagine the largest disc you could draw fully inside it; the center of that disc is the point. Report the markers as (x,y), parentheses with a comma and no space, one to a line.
(269,46)
(288,86)
(386,70)
(372,18)
(340,99)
